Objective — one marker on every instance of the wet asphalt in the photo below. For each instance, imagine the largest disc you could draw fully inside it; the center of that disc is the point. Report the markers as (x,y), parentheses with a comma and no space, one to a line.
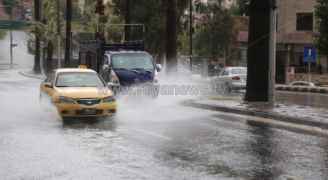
(146,140)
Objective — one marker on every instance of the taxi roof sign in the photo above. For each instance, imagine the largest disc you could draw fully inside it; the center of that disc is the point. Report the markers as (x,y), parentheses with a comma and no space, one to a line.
(83,66)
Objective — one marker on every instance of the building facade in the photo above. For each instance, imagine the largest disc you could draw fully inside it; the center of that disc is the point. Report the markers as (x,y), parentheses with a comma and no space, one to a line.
(296,29)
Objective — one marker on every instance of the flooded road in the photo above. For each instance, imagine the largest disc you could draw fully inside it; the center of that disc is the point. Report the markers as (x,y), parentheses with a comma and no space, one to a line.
(148,139)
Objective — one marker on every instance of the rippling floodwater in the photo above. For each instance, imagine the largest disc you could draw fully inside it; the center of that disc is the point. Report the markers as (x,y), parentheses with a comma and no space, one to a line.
(148,139)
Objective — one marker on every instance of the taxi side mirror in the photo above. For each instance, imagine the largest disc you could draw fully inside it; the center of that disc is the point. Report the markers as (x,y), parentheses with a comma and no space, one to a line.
(48,85)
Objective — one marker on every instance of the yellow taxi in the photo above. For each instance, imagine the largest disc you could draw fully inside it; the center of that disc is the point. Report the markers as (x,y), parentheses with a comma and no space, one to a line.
(78,92)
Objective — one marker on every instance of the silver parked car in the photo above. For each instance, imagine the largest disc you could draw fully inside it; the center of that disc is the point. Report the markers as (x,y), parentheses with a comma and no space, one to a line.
(230,78)
(302,83)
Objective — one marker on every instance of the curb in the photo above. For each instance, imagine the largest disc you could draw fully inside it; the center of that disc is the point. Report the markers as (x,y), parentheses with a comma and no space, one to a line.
(320,90)
(34,76)
(261,114)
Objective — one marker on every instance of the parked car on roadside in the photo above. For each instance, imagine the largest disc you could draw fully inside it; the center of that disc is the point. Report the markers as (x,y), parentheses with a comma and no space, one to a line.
(302,83)
(230,78)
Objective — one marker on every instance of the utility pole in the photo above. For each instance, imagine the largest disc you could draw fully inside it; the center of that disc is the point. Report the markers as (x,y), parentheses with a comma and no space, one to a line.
(100,36)
(68,32)
(190,32)
(37,14)
(171,40)
(260,58)
(58,36)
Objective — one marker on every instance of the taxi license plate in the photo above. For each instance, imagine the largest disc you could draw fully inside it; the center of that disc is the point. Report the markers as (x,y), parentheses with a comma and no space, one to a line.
(88,112)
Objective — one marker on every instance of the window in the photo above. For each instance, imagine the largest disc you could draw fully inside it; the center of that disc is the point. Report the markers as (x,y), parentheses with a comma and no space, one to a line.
(304,22)
(225,73)
(239,71)
(77,79)
(131,61)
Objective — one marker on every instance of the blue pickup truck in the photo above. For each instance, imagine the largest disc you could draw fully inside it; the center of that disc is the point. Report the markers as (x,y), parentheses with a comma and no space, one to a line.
(128,69)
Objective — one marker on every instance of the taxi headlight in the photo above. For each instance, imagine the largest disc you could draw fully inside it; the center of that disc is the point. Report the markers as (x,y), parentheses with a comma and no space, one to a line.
(66,100)
(109,99)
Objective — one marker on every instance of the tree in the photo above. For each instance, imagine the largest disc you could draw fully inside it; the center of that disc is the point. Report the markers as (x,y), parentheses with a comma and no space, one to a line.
(127,20)
(50,30)
(214,33)
(243,7)
(47,30)
(9,5)
(151,13)
(89,19)
(321,13)
(258,51)
(3,34)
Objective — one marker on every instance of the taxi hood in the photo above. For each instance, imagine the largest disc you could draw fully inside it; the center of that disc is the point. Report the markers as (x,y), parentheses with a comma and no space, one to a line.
(84,92)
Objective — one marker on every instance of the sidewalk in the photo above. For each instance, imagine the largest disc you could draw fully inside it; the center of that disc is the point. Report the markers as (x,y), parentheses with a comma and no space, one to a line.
(303,115)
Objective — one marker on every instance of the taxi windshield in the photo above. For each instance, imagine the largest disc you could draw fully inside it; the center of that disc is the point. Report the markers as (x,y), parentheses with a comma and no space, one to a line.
(132,61)
(78,79)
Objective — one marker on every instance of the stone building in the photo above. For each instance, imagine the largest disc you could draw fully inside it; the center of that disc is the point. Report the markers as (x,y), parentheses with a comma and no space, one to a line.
(296,29)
